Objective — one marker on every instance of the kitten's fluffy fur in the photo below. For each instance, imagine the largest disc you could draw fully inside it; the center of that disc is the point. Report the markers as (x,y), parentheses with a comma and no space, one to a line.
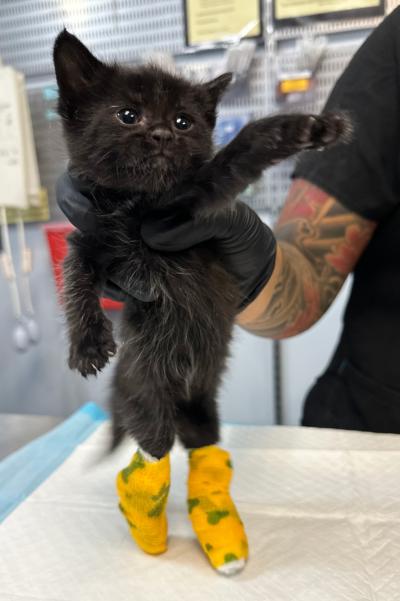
(174,348)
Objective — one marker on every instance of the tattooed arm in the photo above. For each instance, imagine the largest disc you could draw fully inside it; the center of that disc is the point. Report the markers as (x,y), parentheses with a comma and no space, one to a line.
(319,243)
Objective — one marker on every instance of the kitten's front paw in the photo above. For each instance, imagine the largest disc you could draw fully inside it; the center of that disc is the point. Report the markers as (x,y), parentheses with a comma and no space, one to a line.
(93,349)
(318,131)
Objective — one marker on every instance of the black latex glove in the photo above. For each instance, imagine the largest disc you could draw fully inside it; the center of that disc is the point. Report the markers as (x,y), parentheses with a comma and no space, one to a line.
(246,246)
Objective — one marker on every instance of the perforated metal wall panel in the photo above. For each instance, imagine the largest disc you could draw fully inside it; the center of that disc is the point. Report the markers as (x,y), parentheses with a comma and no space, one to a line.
(119,29)
(337,57)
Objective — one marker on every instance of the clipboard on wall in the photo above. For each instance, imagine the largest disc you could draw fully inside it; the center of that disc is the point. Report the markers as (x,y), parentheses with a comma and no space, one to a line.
(19,174)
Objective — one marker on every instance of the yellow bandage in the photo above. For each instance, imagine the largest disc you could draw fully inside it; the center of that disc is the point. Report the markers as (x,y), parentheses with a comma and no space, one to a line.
(143,489)
(213,514)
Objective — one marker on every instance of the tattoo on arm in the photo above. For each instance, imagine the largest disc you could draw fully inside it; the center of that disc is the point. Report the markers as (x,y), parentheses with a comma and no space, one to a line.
(320,242)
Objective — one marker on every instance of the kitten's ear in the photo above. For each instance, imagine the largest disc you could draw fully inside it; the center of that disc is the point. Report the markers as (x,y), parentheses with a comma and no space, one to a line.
(76,68)
(216,87)
(212,92)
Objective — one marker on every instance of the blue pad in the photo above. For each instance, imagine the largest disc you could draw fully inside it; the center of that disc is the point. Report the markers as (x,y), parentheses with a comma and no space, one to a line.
(23,471)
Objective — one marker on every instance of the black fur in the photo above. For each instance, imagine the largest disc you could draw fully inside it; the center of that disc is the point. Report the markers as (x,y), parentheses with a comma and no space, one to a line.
(173,349)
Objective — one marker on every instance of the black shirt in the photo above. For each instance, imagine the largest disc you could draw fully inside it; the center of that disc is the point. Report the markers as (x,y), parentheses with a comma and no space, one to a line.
(364,177)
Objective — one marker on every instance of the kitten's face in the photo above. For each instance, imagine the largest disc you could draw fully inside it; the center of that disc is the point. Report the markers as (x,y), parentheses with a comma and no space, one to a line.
(141,129)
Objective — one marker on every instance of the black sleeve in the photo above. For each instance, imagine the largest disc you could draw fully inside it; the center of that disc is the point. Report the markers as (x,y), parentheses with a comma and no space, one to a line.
(363,175)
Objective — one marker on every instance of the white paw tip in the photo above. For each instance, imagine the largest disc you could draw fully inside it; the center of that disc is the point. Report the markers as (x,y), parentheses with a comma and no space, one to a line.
(232,568)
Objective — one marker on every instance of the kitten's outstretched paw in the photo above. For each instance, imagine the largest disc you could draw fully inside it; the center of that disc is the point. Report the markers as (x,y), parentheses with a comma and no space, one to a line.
(92,351)
(326,129)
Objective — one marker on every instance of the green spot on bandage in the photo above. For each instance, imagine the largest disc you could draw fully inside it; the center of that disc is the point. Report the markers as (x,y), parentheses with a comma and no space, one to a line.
(122,510)
(136,464)
(192,503)
(213,517)
(161,499)
(230,557)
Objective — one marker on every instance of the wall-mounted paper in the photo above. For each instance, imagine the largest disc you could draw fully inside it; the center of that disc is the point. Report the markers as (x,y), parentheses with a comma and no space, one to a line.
(19,173)
(13,185)
(31,165)
(295,9)
(208,21)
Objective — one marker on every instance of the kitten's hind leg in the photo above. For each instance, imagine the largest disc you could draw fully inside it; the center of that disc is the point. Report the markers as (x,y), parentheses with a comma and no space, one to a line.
(143,486)
(214,517)
(197,421)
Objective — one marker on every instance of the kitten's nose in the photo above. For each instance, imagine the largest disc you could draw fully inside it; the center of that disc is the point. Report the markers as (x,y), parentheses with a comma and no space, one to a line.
(161,135)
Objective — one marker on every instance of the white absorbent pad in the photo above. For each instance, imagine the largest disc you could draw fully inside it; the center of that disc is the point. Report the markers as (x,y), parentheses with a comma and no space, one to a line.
(321,509)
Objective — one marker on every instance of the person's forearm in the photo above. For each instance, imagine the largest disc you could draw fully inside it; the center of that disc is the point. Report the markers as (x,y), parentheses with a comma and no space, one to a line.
(319,242)
(289,303)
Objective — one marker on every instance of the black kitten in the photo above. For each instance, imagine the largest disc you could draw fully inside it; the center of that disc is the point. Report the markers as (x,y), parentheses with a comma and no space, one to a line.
(141,139)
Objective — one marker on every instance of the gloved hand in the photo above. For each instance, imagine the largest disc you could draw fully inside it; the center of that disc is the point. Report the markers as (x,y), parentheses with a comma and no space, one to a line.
(246,246)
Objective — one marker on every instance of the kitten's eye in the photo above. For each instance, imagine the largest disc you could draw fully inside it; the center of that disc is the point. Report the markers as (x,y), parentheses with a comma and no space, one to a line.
(128,116)
(182,121)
